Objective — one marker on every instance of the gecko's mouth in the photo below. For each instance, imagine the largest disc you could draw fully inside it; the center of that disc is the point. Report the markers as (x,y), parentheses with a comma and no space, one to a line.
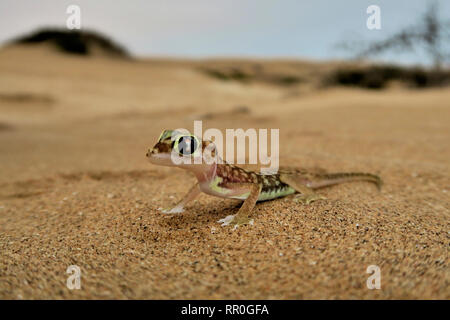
(159,159)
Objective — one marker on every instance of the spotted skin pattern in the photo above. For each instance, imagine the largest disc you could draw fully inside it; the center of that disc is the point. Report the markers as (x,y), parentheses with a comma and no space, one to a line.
(271,185)
(221,179)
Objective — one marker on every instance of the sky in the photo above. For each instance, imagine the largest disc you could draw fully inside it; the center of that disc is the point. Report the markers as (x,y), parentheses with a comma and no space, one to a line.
(220,28)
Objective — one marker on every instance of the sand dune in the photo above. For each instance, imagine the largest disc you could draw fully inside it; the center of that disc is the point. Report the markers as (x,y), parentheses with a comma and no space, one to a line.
(76,189)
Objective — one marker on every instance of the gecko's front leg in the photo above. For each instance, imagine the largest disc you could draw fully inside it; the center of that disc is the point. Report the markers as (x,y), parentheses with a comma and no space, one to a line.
(179,207)
(243,215)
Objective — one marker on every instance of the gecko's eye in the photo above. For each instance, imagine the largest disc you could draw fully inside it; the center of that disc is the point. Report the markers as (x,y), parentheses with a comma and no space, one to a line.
(186,145)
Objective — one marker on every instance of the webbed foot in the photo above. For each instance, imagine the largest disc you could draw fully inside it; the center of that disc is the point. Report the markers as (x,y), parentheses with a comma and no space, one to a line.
(235,221)
(309,198)
(173,210)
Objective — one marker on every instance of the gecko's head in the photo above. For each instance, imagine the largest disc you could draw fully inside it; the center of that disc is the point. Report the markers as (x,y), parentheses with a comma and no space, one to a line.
(176,148)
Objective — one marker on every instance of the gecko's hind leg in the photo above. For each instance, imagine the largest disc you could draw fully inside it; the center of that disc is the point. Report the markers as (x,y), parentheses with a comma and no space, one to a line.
(298,182)
(243,215)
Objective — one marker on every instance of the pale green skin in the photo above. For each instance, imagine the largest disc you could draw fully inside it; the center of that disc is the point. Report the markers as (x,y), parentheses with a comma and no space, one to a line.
(276,194)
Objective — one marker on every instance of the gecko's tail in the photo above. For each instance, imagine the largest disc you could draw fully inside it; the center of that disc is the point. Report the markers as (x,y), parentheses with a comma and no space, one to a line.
(329,179)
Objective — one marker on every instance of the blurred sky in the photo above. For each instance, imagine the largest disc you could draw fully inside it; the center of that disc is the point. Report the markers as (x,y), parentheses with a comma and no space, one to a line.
(206,28)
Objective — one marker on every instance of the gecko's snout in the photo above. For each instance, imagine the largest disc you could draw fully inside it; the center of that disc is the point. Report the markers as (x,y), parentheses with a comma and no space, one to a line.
(150,152)
(157,157)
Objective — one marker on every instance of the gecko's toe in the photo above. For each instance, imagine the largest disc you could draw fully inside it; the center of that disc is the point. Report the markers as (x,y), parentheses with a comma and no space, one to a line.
(243,223)
(307,199)
(235,222)
(174,210)
(226,221)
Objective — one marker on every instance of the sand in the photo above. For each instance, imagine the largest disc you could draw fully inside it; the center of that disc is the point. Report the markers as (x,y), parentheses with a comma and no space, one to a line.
(76,188)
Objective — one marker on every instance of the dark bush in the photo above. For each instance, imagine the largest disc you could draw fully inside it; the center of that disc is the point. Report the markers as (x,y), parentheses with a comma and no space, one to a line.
(74,42)
(378,77)
(225,75)
(287,80)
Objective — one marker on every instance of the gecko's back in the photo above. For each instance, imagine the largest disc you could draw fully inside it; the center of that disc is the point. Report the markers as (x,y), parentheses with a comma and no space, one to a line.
(271,185)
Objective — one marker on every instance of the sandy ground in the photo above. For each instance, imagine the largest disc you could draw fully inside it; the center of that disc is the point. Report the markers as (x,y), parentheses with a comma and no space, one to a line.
(76,189)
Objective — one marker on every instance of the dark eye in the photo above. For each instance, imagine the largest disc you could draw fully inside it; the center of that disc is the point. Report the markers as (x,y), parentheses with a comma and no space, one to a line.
(187,145)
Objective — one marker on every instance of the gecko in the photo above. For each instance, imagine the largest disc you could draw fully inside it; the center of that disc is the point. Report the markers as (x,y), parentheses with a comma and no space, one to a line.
(221,179)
